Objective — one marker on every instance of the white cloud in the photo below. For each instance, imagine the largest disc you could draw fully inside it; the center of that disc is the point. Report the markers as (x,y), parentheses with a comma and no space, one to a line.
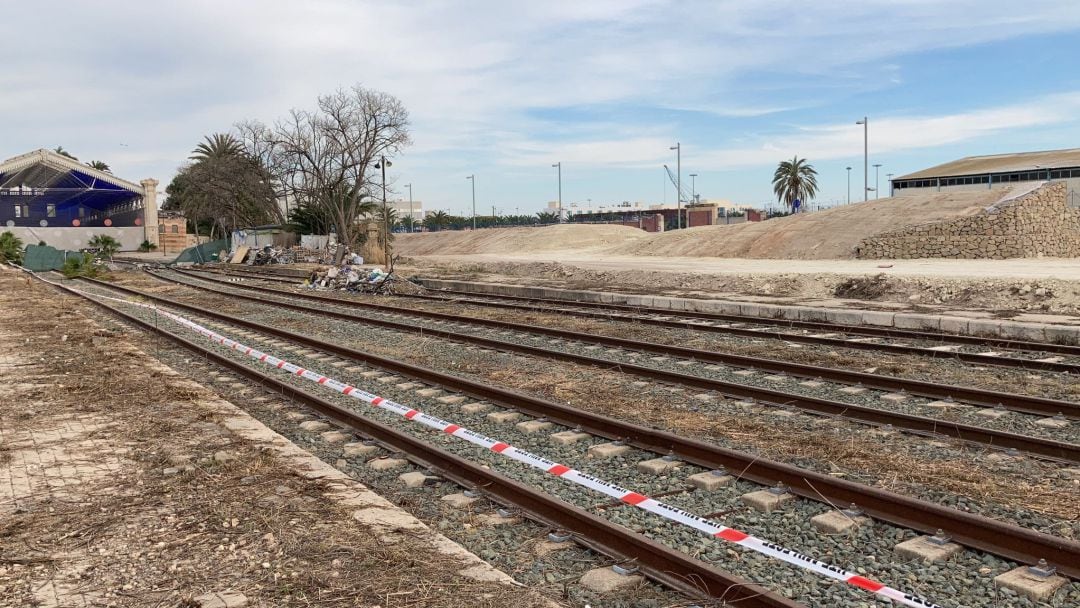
(478,76)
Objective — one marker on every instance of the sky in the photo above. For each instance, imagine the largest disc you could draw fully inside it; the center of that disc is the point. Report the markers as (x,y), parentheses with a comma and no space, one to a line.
(504,89)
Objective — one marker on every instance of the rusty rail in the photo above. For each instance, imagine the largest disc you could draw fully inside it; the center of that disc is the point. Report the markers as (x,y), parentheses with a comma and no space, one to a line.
(992,536)
(667,566)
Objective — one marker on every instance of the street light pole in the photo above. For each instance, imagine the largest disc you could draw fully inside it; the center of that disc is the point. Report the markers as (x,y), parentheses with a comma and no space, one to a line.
(382,164)
(472,178)
(866,156)
(849,185)
(693,189)
(412,220)
(559,166)
(678,183)
(877,182)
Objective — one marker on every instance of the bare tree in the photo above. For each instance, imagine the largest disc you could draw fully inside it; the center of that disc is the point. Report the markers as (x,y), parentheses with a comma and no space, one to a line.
(325,158)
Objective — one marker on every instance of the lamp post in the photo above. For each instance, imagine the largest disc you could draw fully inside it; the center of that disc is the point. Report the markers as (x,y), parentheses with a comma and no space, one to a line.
(383,164)
(678,183)
(558,165)
(693,188)
(888,176)
(472,178)
(849,185)
(877,181)
(866,156)
(412,220)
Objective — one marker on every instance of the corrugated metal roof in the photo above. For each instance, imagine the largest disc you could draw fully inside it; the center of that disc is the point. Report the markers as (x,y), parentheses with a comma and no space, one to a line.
(1001,163)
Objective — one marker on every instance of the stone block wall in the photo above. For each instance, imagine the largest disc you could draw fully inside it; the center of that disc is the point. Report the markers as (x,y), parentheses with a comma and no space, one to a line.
(1033,224)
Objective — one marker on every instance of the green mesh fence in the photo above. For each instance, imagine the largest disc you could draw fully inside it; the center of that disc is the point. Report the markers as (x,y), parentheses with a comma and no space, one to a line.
(207,252)
(41,258)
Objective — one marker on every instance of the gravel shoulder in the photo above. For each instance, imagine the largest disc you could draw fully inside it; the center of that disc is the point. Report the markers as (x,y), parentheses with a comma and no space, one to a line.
(122,484)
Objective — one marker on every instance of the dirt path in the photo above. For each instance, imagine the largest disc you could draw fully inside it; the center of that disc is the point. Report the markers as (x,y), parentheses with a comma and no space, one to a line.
(123,484)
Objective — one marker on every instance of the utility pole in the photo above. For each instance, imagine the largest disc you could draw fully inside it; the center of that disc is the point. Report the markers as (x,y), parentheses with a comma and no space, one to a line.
(382,164)
(472,178)
(678,182)
(412,220)
(866,156)
(849,185)
(877,180)
(559,166)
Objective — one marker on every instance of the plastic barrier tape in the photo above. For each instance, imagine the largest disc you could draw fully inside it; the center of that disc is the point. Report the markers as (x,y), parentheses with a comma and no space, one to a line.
(668,512)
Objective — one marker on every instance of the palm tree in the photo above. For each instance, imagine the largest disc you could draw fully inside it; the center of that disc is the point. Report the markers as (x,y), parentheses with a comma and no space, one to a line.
(218,145)
(99,165)
(794,179)
(62,152)
(437,220)
(547,217)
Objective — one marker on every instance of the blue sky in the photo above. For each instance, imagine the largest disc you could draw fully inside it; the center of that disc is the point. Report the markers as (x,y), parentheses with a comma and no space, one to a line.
(505,89)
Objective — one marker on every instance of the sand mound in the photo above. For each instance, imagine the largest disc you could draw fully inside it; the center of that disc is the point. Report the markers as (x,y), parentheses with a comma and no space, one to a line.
(822,235)
(829,234)
(566,237)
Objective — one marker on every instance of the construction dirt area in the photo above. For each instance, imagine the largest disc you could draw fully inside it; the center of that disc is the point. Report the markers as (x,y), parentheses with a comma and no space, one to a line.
(807,259)
(572,415)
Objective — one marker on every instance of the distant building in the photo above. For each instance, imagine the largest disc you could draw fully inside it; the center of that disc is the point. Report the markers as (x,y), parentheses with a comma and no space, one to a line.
(46,196)
(996,171)
(172,232)
(403,209)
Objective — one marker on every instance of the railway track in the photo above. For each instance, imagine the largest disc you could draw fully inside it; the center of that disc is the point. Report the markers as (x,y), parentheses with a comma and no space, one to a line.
(919,424)
(1042,356)
(974,531)
(660,563)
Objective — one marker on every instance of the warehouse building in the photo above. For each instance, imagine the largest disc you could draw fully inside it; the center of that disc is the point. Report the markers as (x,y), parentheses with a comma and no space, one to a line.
(996,171)
(46,196)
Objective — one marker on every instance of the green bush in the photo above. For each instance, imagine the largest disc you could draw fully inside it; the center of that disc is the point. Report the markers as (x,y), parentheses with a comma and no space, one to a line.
(11,248)
(106,245)
(80,266)
(147,246)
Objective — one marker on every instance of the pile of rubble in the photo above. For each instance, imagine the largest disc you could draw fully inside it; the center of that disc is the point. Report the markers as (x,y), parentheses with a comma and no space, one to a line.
(352,277)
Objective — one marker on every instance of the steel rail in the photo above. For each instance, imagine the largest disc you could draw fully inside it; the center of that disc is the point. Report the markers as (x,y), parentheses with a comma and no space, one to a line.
(814,325)
(986,398)
(662,564)
(964,432)
(992,536)
(883,332)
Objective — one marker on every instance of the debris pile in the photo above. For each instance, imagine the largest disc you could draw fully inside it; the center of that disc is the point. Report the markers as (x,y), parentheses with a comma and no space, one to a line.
(352,277)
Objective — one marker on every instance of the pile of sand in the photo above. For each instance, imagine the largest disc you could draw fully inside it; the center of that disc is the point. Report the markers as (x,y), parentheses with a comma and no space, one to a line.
(828,234)
(517,241)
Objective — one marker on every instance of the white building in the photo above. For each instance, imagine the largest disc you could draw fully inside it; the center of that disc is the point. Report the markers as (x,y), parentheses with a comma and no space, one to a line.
(403,209)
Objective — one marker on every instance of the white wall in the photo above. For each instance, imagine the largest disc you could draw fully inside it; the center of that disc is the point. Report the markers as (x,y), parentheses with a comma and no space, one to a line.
(73,239)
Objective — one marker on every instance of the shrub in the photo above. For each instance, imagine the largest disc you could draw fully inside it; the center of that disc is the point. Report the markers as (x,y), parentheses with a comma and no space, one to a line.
(147,246)
(105,245)
(80,266)
(11,248)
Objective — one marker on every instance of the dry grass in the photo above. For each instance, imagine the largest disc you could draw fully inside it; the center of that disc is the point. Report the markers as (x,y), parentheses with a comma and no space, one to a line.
(140,538)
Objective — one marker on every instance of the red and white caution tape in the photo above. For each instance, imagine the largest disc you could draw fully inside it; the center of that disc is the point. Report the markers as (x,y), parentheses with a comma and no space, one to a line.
(666,511)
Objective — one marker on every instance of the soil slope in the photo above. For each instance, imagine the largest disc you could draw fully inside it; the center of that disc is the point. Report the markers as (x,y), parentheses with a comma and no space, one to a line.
(829,234)
(517,240)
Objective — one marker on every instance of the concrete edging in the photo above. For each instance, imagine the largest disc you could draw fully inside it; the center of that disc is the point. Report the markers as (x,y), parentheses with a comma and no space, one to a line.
(992,328)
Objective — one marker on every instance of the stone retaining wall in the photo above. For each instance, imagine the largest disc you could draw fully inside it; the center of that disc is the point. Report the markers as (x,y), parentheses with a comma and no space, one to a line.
(1033,224)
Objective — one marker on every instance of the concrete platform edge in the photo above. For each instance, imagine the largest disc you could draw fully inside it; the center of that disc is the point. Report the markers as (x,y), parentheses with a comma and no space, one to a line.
(1035,332)
(372,510)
